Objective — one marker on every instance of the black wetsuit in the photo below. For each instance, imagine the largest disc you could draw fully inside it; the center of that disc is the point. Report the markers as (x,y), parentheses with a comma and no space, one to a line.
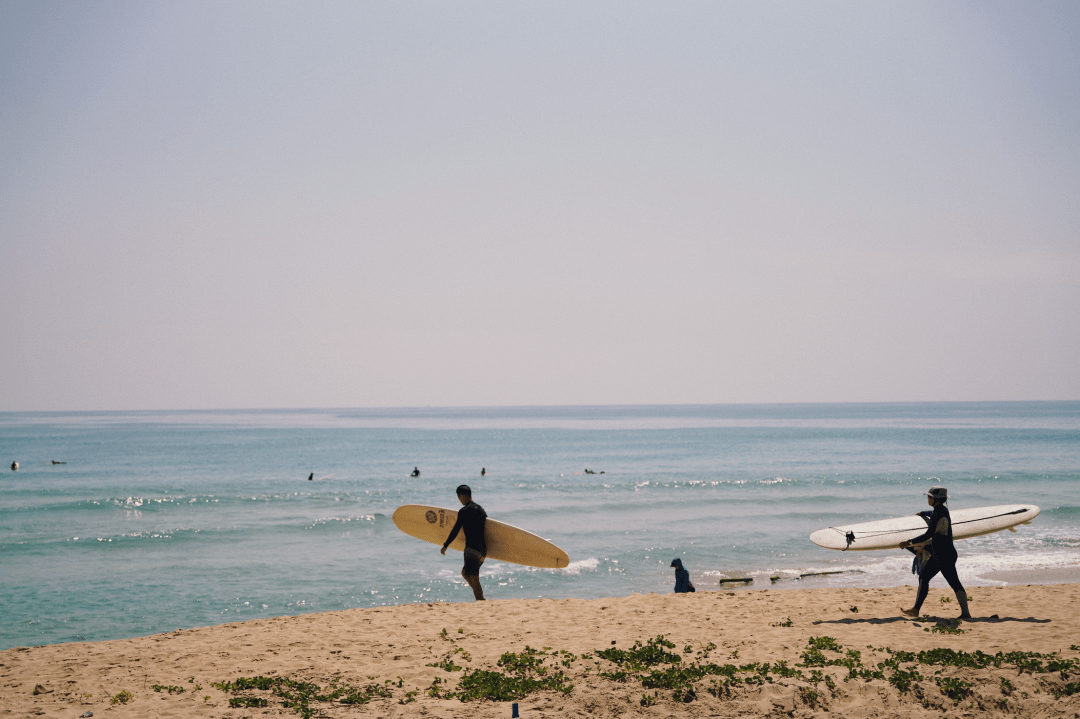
(944,555)
(471,518)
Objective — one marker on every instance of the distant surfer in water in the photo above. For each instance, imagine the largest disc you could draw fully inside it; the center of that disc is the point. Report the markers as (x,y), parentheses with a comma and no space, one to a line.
(682,578)
(943,558)
(483,471)
(415,472)
(311,477)
(471,519)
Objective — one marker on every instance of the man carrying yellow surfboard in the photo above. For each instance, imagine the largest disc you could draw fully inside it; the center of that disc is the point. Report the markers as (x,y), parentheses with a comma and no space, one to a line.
(470,518)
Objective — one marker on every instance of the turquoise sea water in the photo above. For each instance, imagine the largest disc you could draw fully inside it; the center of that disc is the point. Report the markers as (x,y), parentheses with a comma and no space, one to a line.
(162,520)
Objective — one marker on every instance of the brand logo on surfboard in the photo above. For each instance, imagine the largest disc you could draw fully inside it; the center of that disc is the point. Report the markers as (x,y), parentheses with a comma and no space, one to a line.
(431,517)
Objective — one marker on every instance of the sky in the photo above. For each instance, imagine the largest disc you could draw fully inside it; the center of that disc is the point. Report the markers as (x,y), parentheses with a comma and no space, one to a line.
(393,204)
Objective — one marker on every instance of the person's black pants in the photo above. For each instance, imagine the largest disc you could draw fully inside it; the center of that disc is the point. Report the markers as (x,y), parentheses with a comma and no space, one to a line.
(929,571)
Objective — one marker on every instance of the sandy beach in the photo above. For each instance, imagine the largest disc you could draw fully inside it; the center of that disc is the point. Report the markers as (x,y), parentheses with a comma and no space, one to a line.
(387,656)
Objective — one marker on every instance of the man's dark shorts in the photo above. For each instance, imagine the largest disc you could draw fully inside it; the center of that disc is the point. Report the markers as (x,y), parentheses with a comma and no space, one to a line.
(473,560)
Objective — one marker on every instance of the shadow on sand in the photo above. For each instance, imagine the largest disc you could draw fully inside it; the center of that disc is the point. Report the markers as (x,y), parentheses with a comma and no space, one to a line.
(932,620)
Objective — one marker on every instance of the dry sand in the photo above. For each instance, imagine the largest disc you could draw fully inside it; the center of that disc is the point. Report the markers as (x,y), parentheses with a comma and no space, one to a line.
(371,646)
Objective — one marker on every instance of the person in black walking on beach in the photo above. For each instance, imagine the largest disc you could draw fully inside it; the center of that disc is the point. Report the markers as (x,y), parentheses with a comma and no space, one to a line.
(939,535)
(471,518)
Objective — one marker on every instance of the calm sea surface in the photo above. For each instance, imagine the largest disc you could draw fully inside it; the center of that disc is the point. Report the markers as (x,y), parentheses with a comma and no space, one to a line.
(162,520)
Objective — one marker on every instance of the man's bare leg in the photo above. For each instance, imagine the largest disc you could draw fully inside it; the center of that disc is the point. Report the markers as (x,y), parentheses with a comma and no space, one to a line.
(474,582)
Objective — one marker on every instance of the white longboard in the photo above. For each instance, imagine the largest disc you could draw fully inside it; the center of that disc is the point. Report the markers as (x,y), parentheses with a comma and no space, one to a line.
(504,542)
(888,533)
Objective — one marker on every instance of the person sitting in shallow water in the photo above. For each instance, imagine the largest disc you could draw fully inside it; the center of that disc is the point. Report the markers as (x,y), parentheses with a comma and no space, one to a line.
(415,472)
(682,578)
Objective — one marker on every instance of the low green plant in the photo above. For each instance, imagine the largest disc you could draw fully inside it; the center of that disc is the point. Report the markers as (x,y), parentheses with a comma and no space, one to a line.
(813,655)
(435,690)
(955,689)
(661,668)
(946,627)
(903,679)
(810,696)
(446,664)
(298,695)
(170,689)
(525,672)
(122,697)
(640,656)
(1063,667)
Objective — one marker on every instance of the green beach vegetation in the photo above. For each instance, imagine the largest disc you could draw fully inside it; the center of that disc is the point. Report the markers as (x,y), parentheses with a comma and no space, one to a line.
(655,671)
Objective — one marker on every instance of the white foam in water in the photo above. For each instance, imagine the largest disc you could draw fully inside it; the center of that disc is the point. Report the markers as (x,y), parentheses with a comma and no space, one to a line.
(580,565)
(886,568)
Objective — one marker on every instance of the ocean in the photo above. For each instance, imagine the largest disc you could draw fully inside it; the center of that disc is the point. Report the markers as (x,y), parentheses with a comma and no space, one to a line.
(122,524)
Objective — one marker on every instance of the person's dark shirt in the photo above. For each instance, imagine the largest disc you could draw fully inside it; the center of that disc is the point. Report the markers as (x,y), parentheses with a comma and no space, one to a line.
(940,534)
(471,519)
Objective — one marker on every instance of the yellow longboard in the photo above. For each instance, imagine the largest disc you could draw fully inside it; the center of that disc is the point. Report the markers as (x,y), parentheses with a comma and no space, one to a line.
(504,542)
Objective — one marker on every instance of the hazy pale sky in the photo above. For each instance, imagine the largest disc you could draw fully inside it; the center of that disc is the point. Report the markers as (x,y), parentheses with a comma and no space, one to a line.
(266,204)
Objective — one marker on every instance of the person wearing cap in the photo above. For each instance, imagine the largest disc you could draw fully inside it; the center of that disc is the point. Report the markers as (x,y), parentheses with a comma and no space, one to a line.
(471,519)
(682,578)
(939,535)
